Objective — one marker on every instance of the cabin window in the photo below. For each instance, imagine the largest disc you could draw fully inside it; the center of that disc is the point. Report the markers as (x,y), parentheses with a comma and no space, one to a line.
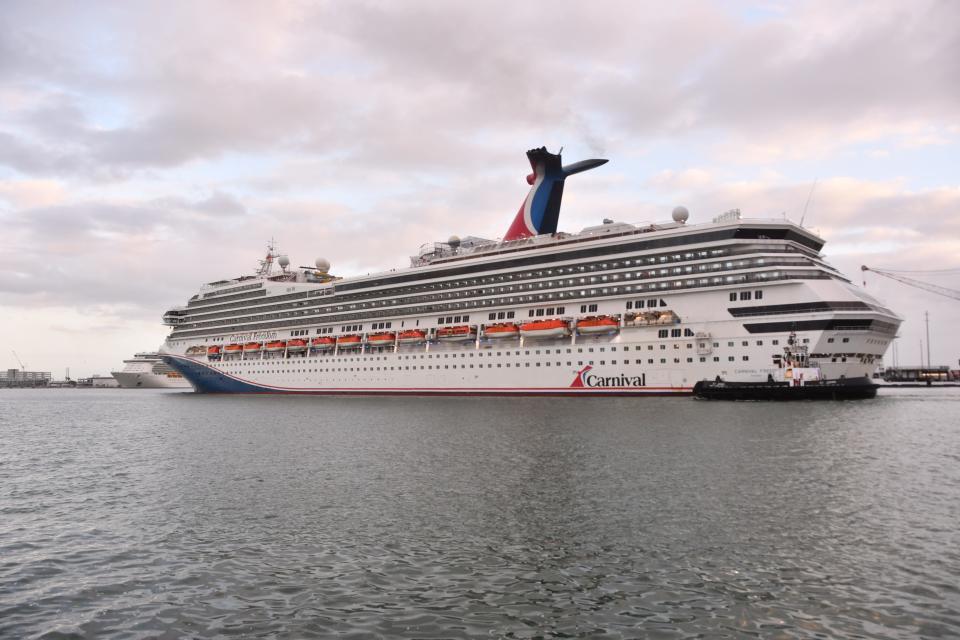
(744,295)
(758,294)
(733,297)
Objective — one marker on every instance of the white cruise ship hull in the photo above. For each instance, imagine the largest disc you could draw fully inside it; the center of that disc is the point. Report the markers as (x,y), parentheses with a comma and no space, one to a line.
(635,362)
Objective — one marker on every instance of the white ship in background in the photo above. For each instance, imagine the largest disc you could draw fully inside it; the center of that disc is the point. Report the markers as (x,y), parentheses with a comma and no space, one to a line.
(149,371)
(616,309)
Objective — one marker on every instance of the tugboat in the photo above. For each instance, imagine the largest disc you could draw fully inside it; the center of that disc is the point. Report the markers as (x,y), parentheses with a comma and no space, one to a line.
(796,379)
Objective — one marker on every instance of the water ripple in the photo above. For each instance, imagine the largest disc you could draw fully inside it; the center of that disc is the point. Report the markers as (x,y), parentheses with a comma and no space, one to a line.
(166,515)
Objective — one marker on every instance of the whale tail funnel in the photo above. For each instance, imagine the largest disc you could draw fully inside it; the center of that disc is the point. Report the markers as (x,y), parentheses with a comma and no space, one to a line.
(541,209)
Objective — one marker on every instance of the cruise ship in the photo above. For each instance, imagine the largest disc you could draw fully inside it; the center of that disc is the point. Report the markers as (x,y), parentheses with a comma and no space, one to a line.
(615,309)
(149,371)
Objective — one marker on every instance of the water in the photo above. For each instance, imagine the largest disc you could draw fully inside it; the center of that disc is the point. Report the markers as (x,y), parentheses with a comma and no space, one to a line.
(141,514)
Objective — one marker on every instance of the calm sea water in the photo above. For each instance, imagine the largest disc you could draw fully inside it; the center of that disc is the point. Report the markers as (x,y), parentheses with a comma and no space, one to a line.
(149,514)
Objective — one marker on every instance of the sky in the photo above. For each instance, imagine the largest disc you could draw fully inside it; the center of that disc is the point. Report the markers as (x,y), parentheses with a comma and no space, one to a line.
(149,147)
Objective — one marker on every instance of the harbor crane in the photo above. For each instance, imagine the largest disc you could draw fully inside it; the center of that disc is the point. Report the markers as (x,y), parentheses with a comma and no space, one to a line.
(23,367)
(916,284)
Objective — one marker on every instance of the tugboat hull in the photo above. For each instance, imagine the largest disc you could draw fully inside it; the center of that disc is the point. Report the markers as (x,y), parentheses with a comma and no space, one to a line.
(844,389)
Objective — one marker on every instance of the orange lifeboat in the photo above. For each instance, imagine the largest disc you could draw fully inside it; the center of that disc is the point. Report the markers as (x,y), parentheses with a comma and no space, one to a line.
(275,346)
(233,349)
(412,336)
(545,329)
(213,351)
(456,334)
(381,339)
(349,342)
(322,344)
(250,347)
(593,325)
(296,346)
(502,330)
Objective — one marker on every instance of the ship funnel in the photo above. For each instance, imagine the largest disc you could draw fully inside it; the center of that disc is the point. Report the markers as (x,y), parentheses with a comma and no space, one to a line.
(541,209)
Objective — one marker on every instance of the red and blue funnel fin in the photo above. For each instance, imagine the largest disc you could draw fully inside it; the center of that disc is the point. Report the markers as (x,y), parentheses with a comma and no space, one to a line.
(541,210)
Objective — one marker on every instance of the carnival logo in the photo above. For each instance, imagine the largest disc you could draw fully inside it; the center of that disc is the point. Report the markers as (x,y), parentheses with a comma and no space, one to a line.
(586,379)
(253,335)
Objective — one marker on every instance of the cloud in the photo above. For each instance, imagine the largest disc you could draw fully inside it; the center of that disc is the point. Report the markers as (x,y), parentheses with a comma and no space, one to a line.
(375,81)
(31,193)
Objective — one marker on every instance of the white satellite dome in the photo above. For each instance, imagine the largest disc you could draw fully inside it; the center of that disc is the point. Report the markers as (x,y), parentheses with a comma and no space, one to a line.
(322,264)
(680,214)
(283,261)
(454,241)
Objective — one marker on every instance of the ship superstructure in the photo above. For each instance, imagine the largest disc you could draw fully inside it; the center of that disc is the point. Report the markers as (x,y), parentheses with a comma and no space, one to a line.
(616,309)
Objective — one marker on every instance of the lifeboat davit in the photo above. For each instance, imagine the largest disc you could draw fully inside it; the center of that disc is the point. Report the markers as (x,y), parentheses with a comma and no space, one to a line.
(275,346)
(412,336)
(381,339)
(456,334)
(593,325)
(322,344)
(349,342)
(502,330)
(296,346)
(250,347)
(545,329)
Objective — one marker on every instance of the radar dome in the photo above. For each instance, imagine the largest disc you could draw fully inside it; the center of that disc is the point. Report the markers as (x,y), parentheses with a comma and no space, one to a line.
(680,214)
(454,241)
(323,265)
(283,261)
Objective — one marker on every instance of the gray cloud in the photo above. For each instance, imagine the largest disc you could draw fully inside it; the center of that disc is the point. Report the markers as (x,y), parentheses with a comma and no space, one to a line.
(378,81)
